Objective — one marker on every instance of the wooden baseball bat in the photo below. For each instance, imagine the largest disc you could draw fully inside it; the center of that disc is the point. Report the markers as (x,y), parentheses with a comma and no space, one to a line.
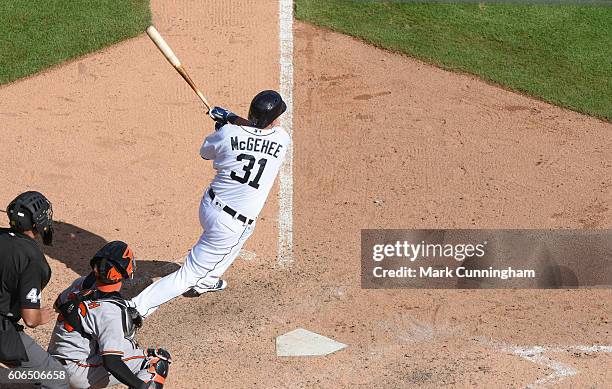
(173,59)
(176,63)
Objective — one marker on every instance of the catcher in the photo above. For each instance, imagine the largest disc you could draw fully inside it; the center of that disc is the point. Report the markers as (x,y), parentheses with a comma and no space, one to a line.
(94,337)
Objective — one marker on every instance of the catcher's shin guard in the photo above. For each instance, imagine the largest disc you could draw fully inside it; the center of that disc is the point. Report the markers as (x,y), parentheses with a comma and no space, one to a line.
(159,363)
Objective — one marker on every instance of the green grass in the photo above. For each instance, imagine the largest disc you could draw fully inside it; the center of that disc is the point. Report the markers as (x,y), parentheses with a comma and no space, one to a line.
(559,53)
(36,34)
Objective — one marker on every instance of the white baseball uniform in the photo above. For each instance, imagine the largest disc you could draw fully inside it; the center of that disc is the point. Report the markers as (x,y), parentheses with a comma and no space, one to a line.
(109,331)
(247,161)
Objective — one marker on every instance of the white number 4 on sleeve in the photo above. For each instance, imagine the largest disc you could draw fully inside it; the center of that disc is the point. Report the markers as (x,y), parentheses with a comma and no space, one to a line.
(33,296)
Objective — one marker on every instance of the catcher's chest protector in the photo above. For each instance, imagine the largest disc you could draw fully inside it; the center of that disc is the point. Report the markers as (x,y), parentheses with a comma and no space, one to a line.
(75,309)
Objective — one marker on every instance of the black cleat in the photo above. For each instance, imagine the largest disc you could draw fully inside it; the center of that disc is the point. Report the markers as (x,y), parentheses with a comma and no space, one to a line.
(197,291)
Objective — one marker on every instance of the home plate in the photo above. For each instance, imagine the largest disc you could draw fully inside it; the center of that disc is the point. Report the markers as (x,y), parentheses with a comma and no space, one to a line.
(304,343)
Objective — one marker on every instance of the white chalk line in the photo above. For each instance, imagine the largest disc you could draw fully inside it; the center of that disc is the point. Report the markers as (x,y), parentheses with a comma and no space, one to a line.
(535,354)
(285,212)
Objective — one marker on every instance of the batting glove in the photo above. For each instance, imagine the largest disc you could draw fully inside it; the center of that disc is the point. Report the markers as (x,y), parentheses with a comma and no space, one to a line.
(221,115)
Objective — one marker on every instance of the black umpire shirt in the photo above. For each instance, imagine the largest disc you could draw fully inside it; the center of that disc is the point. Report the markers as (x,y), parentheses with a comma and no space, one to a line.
(24,272)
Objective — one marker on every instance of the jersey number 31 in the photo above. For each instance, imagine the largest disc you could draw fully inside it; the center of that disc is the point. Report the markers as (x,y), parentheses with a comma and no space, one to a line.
(248,167)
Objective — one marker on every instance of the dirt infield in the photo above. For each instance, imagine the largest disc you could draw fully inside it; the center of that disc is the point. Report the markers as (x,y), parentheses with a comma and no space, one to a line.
(384,141)
(380,141)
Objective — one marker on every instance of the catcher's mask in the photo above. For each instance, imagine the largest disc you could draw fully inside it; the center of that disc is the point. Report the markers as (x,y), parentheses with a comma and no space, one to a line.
(113,263)
(31,211)
(265,108)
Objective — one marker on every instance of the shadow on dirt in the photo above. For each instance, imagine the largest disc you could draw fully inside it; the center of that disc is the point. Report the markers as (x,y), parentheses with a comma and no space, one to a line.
(75,246)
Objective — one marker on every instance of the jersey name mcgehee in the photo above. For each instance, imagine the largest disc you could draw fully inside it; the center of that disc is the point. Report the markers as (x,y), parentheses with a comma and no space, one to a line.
(257,145)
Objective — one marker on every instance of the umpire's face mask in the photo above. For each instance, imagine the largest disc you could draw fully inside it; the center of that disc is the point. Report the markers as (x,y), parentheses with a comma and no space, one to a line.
(47,236)
(47,230)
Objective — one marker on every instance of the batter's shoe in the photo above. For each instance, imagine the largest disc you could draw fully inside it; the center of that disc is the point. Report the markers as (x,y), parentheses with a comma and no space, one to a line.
(197,291)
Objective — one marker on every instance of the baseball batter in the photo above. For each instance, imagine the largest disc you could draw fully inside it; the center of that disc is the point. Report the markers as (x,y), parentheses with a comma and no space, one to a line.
(94,337)
(247,160)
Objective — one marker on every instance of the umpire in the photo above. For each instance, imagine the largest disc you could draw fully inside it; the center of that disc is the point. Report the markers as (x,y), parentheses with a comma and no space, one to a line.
(24,272)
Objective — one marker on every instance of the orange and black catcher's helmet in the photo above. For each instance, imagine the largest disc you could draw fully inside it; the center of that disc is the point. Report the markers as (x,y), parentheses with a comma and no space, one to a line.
(114,262)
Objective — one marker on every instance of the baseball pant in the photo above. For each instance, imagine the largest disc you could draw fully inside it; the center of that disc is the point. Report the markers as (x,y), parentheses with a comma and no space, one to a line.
(92,374)
(210,257)
(41,361)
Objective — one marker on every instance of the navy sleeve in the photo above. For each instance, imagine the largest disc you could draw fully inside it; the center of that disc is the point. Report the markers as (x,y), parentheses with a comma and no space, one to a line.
(120,371)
